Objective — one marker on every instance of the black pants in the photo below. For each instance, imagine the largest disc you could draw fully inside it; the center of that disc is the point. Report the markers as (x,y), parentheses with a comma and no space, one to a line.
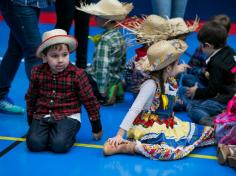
(96,92)
(66,12)
(48,134)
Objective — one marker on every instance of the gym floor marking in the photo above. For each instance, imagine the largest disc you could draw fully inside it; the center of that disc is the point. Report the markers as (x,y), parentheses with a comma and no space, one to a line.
(100,147)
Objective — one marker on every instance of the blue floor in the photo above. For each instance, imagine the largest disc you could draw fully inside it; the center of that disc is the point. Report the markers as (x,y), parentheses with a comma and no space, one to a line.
(86,159)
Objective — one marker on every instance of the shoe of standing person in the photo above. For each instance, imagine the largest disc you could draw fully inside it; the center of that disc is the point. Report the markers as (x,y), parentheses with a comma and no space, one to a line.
(8,107)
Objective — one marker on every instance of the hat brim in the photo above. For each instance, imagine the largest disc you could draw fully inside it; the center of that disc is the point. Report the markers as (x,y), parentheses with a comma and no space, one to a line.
(166,63)
(117,17)
(63,39)
(146,66)
(190,28)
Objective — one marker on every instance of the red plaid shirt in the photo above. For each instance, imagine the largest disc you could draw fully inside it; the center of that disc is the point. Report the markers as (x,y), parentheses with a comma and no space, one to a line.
(60,94)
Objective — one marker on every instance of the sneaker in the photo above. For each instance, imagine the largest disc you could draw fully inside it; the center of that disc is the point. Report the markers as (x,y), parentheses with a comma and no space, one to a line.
(9,100)
(232,161)
(223,153)
(227,154)
(8,107)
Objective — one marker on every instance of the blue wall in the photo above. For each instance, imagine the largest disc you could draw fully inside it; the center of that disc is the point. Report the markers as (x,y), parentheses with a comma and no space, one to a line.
(208,8)
(203,8)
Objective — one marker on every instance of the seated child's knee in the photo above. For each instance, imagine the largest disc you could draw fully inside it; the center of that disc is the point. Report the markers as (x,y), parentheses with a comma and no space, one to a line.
(35,144)
(60,146)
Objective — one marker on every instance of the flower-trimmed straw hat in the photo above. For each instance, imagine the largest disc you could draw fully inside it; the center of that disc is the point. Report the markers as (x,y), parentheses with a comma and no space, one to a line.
(56,36)
(149,30)
(179,27)
(161,54)
(154,28)
(108,9)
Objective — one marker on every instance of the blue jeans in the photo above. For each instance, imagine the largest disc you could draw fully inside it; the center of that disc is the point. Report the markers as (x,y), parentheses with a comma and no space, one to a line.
(198,109)
(23,41)
(190,80)
(186,80)
(170,8)
(48,134)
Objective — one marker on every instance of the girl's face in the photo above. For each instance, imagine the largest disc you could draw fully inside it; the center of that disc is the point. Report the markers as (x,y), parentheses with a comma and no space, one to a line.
(57,58)
(171,69)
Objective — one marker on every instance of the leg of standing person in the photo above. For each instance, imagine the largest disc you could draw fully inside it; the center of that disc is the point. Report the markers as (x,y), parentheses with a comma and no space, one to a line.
(162,7)
(81,34)
(81,21)
(7,69)
(64,7)
(178,8)
(23,42)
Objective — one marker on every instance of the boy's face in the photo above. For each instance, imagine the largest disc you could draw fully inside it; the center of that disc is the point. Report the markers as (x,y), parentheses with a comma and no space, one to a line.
(100,21)
(57,58)
(207,48)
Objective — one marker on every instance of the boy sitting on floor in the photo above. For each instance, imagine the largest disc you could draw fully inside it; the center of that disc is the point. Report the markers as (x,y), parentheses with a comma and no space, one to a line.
(210,101)
(57,90)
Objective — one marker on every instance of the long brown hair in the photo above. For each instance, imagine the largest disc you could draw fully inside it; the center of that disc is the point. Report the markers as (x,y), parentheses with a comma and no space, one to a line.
(159,75)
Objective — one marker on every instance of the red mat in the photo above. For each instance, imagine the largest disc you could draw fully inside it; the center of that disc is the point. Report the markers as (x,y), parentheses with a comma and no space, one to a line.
(50,17)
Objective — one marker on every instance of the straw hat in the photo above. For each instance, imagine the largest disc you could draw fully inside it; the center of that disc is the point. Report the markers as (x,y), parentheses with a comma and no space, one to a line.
(154,28)
(151,29)
(56,36)
(179,27)
(153,24)
(108,9)
(162,54)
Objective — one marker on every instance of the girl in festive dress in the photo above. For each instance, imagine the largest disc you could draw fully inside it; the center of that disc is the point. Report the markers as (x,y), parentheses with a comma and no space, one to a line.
(150,124)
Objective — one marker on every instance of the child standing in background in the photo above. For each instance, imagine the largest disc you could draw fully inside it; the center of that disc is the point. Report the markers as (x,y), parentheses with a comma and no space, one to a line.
(106,71)
(57,90)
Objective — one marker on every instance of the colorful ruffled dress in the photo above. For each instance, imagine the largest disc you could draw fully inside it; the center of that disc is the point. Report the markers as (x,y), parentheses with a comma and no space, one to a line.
(163,136)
